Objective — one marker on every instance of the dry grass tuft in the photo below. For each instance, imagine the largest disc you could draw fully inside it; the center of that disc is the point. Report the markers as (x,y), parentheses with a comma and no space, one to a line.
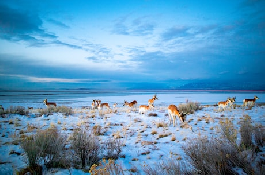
(137,120)
(98,130)
(173,137)
(106,167)
(154,132)
(160,124)
(147,143)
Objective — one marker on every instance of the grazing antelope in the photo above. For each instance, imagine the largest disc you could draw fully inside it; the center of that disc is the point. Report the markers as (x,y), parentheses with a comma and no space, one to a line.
(151,101)
(250,102)
(49,103)
(102,105)
(145,108)
(173,112)
(131,104)
(224,104)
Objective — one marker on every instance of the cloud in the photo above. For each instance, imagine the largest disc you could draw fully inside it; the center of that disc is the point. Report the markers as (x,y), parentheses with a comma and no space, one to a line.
(119,26)
(94,59)
(53,80)
(20,25)
(58,23)
(175,32)
(140,26)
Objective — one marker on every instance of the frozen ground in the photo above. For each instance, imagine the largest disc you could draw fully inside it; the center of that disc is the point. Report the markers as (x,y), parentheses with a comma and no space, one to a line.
(137,131)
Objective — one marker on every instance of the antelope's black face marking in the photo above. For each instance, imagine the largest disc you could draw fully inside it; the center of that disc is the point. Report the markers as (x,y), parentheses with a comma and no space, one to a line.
(183,117)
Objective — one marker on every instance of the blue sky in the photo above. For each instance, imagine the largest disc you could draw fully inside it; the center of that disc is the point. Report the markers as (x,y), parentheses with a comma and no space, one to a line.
(130,44)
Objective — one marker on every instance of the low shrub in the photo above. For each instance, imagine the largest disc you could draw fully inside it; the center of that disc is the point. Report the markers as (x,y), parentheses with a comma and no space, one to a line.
(170,167)
(16,110)
(212,155)
(32,151)
(228,130)
(259,135)
(86,147)
(59,109)
(45,146)
(246,131)
(189,107)
(52,143)
(113,147)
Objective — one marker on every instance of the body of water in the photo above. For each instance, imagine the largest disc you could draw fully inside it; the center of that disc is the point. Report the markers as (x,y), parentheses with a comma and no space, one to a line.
(78,98)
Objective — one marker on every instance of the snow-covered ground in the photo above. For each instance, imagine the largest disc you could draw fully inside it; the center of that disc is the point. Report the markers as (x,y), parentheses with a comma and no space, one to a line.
(136,130)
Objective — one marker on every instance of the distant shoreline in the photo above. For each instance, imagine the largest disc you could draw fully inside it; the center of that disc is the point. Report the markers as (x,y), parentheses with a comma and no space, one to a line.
(134,90)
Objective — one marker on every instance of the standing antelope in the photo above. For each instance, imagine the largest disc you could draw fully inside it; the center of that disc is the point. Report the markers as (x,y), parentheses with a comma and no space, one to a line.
(232,101)
(145,108)
(102,105)
(151,101)
(250,102)
(223,104)
(93,105)
(131,104)
(49,104)
(173,112)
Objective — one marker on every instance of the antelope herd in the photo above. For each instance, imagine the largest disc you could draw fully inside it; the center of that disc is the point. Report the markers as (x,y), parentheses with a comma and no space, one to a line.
(228,102)
(173,111)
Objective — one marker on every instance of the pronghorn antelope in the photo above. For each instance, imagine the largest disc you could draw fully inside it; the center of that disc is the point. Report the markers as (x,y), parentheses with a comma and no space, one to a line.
(145,108)
(93,105)
(232,101)
(115,105)
(224,104)
(173,112)
(151,101)
(131,104)
(102,105)
(115,109)
(250,102)
(49,104)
